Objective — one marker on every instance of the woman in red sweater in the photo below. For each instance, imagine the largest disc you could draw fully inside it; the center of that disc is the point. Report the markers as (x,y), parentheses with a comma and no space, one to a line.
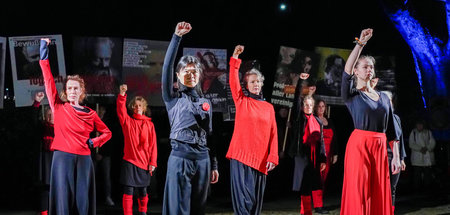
(72,183)
(253,149)
(140,152)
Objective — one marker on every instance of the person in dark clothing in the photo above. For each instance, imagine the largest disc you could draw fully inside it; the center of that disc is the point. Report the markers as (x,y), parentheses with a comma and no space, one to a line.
(307,148)
(189,168)
(395,177)
(46,134)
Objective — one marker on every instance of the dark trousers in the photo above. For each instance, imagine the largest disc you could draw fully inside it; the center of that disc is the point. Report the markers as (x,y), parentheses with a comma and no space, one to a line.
(247,188)
(72,184)
(187,183)
(311,180)
(394,179)
(103,168)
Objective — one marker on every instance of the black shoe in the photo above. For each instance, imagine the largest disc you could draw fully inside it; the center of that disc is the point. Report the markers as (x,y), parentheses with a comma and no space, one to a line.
(321,210)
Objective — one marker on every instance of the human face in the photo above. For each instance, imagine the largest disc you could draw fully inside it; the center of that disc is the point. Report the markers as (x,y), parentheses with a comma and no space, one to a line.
(254,84)
(287,55)
(308,106)
(209,60)
(73,91)
(189,76)
(138,107)
(49,116)
(307,65)
(102,55)
(321,109)
(365,70)
(311,90)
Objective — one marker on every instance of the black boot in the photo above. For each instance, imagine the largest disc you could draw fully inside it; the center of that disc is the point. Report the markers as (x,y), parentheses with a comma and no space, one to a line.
(321,210)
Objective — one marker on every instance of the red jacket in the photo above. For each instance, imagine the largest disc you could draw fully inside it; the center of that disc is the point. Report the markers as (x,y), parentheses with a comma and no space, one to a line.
(72,127)
(255,140)
(139,135)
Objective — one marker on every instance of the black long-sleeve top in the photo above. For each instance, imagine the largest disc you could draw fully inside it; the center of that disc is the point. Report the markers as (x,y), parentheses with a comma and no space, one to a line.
(190,120)
(367,114)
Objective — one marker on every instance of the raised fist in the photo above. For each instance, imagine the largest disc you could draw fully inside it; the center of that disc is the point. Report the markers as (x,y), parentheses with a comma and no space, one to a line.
(238,50)
(366,34)
(123,89)
(39,96)
(304,76)
(182,28)
(46,40)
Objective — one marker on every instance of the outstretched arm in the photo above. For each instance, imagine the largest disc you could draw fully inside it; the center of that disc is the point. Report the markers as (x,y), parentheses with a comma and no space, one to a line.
(366,34)
(121,104)
(167,73)
(50,87)
(235,63)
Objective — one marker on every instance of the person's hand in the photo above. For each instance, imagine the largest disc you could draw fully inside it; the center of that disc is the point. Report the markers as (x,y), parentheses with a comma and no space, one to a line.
(237,51)
(403,165)
(98,157)
(123,89)
(182,28)
(334,159)
(46,40)
(214,176)
(323,166)
(366,34)
(39,96)
(151,169)
(395,165)
(270,166)
(304,76)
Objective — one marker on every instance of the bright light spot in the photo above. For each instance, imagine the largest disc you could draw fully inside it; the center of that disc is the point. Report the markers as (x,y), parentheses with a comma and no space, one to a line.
(282,6)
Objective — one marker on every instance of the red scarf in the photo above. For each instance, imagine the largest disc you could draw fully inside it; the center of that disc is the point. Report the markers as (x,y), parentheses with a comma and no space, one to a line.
(146,132)
(311,135)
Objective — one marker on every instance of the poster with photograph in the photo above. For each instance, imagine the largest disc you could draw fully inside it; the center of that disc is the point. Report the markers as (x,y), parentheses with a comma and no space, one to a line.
(292,62)
(99,62)
(331,67)
(214,78)
(2,68)
(142,67)
(26,72)
(246,65)
(385,74)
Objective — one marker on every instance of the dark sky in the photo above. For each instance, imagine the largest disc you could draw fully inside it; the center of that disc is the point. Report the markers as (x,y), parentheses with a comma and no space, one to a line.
(259,25)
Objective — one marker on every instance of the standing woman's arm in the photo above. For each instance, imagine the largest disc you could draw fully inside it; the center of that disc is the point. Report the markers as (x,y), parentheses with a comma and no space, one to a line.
(169,61)
(50,87)
(346,86)
(235,63)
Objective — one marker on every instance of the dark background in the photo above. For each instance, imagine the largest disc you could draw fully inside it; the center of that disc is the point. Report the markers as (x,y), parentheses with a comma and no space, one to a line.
(258,25)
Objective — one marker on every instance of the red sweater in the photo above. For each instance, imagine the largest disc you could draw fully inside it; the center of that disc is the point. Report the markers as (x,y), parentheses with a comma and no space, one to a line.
(72,127)
(140,136)
(255,140)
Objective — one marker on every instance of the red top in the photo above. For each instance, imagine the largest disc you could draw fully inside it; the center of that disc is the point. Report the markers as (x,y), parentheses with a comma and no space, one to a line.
(139,135)
(255,140)
(72,127)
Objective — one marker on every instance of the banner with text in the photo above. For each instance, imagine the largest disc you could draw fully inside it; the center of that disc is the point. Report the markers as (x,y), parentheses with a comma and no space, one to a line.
(26,72)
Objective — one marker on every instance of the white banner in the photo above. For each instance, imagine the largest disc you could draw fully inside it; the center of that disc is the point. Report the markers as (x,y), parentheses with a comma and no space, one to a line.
(26,72)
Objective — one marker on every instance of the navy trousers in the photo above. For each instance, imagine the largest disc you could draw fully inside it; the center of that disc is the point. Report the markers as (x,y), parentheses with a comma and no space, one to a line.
(187,183)
(394,178)
(247,188)
(72,184)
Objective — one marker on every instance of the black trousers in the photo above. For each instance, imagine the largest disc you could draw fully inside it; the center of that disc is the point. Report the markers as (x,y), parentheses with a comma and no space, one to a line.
(247,188)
